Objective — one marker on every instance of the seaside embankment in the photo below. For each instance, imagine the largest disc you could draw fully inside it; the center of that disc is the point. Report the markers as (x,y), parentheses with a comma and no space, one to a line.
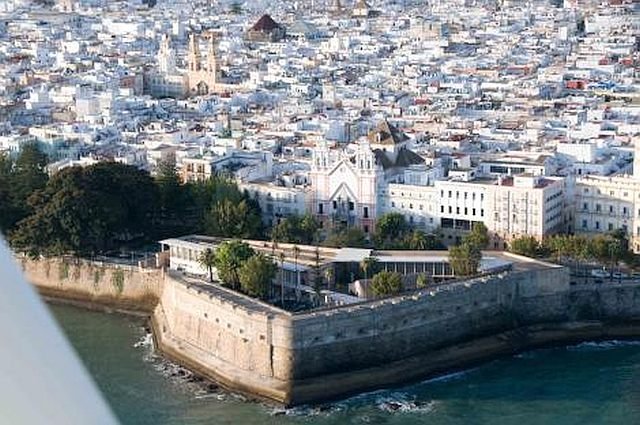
(255,348)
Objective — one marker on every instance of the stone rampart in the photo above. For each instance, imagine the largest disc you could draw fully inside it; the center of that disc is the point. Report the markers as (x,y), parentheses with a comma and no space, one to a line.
(261,350)
(299,358)
(96,283)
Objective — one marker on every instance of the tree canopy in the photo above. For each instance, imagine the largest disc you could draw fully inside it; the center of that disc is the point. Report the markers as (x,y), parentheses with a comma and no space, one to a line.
(346,237)
(256,275)
(465,258)
(525,245)
(296,229)
(19,179)
(386,283)
(87,210)
(229,258)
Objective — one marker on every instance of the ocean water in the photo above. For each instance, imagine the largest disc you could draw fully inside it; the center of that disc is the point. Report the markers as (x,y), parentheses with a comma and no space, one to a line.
(590,383)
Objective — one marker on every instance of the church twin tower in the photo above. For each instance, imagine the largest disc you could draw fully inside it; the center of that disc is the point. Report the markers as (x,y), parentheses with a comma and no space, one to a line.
(200,78)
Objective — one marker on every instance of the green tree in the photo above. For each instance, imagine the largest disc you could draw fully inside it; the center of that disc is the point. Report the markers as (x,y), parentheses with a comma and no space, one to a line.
(368,266)
(422,281)
(479,236)
(317,276)
(169,185)
(28,176)
(329,275)
(229,258)
(296,229)
(233,219)
(87,210)
(525,245)
(465,259)
(296,254)
(8,214)
(390,228)
(256,275)
(386,283)
(207,259)
(346,237)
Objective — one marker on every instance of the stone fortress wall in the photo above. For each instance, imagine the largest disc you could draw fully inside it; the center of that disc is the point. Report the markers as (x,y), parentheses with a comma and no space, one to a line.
(122,287)
(258,349)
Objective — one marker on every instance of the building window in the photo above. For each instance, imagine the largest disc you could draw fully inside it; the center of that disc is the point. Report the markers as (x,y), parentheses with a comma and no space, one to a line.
(466,210)
(482,196)
(449,194)
(441,208)
(450,209)
(610,227)
(585,206)
(366,229)
(473,211)
(366,212)
(597,225)
(624,210)
(584,224)
(465,195)
(393,204)
(410,206)
(598,207)
(482,213)
(611,208)
(457,210)
(335,205)
(351,206)
(320,209)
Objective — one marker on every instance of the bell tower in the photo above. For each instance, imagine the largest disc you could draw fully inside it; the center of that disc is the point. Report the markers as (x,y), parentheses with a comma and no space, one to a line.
(212,64)
(166,58)
(193,59)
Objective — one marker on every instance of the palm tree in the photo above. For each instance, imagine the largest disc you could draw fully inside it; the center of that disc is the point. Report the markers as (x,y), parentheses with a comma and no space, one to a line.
(296,253)
(282,278)
(418,240)
(328,275)
(207,259)
(367,265)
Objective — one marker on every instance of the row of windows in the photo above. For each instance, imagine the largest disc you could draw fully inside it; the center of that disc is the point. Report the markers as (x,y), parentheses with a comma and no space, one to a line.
(625,210)
(611,192)
(554,196)
(465,195)
(610,226)
(420,206)
(466,210)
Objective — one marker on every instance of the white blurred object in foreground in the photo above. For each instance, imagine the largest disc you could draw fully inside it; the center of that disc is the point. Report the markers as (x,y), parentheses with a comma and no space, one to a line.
(42,380)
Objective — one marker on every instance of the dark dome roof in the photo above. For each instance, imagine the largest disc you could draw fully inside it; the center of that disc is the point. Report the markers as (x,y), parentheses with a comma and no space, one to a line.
(265,24)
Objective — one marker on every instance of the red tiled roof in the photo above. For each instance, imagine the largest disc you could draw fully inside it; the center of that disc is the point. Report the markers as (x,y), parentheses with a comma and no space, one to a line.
(265,24)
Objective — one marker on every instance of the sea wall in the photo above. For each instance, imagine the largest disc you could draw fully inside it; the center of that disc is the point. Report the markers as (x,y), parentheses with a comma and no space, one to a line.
(258,349)
(299,358)
(95,283)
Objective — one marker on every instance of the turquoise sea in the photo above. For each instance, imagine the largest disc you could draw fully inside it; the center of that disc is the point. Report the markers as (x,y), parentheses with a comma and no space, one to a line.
(591,383)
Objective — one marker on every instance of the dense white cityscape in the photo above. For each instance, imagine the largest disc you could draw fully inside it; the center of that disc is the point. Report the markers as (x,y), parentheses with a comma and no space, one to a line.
(523,115)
